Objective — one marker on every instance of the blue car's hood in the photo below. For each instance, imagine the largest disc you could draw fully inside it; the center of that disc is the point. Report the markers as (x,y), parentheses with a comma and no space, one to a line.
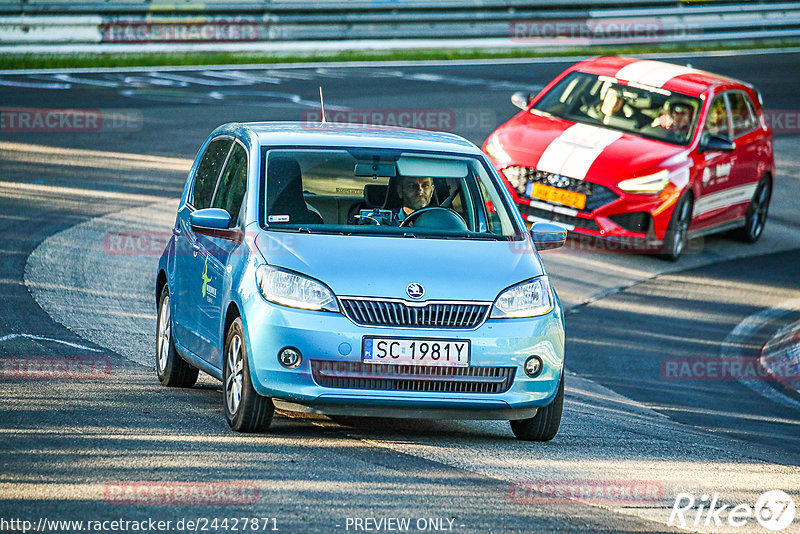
(384,266)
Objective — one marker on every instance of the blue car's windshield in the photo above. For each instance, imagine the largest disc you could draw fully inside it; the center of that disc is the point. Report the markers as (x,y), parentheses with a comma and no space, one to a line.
(383,192)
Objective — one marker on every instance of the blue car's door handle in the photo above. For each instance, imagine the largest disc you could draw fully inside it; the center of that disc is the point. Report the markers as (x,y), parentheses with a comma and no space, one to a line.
(196,247)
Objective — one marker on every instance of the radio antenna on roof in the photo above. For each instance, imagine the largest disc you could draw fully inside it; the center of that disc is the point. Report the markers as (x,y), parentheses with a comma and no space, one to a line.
(322,105)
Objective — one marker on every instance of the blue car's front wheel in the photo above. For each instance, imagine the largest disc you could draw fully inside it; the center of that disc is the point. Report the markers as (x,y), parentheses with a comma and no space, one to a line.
(245,410)
(170,367)
(544,425)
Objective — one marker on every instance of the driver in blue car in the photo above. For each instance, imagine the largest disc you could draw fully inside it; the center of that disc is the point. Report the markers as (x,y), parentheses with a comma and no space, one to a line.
(415,193)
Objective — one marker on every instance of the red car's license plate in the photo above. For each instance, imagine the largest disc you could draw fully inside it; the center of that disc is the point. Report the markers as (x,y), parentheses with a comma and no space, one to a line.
(559,196)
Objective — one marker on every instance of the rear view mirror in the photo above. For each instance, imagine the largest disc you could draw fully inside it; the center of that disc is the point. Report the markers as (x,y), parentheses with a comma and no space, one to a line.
(376,169)
(521,99)
(547,236)
(717,143)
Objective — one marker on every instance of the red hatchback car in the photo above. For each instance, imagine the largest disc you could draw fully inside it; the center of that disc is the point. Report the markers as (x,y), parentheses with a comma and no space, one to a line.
(639,151)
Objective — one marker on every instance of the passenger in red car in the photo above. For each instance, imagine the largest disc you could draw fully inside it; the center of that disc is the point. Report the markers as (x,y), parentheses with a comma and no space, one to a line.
(612,103)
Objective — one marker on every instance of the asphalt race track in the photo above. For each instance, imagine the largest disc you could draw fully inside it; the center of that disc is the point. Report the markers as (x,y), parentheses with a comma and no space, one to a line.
(81,449)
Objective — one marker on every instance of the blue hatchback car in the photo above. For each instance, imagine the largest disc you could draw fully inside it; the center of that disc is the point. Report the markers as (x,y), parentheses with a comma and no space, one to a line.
(357,270)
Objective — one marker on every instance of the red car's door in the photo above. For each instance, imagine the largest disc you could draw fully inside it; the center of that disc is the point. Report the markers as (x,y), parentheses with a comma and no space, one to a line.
(715,167)
(750,144)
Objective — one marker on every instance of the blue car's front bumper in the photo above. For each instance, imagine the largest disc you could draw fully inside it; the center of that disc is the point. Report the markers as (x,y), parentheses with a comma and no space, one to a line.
(332,337)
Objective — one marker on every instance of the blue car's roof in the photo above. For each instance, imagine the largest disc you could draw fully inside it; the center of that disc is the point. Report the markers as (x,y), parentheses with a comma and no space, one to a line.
(339,134)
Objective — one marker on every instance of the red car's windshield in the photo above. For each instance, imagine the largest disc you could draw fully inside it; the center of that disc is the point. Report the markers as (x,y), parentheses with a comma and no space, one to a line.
(647,111)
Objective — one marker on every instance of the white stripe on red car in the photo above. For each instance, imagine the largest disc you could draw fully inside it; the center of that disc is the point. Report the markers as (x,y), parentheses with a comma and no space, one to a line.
(724,199)
(575,150)
(652,73)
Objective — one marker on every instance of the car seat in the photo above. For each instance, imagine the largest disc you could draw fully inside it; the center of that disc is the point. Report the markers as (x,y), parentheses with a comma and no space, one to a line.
(285,192)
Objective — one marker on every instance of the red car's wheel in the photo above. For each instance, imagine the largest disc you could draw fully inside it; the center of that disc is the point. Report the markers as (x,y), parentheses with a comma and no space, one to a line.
(757,210)
(676,236)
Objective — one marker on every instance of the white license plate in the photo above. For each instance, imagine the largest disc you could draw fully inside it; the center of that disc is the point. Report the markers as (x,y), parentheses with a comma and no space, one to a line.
(416,351)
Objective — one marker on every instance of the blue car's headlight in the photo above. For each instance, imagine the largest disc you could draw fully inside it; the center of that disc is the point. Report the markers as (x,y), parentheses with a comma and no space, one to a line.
(293,290)
(527,299)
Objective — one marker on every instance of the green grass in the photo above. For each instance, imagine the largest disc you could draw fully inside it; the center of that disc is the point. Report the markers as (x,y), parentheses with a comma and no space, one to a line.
(39,61)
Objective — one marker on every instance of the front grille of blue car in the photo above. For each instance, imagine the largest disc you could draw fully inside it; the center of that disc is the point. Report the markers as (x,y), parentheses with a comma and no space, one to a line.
(388,312)
(357,375)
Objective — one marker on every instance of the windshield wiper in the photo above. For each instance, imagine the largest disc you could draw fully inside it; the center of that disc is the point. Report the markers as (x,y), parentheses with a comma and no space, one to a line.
(297,230)
(326,231)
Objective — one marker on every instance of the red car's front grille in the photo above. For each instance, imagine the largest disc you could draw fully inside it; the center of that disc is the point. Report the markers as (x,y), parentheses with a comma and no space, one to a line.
(577,222)
(596,195)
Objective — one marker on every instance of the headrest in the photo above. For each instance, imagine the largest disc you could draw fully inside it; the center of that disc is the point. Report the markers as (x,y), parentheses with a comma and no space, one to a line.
(283,167)
(375,195)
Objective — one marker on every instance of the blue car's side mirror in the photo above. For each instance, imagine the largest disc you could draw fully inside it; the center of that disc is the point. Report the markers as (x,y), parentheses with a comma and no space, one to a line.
(547,236)
(214,222)
(214,218)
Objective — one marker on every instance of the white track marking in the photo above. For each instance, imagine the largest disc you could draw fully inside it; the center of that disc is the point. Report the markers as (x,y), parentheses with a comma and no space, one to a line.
(9,337)
(22,189)
(35,85)
(69,79)
(143,161)
(244,78)
(195,80)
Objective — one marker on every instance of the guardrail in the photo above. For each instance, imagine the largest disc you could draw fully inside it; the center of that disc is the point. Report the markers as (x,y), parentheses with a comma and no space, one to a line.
(496,23)
(238,6)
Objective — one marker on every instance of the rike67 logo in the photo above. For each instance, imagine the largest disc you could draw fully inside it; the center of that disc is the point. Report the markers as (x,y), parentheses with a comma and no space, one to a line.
(774,510)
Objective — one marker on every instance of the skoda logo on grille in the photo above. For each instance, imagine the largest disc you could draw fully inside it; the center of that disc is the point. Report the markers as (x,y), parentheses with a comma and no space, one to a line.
(415,290)
(556,180)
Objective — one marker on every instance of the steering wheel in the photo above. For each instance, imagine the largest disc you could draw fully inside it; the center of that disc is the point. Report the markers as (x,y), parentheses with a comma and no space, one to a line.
(436,217)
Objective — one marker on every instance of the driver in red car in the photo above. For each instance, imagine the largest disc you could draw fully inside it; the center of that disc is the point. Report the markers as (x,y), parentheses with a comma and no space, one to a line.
(415,193)
(675,118)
